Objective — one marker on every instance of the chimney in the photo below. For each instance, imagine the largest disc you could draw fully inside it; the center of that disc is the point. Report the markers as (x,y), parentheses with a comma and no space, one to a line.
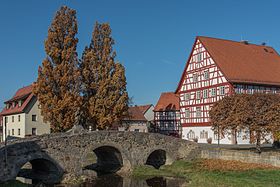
(246,42)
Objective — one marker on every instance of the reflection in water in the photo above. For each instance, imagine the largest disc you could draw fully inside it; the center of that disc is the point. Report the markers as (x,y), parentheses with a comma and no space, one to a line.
(117,181)
(156,182)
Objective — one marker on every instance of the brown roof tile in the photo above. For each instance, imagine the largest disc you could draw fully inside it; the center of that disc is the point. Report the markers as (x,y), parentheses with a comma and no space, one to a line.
(244,63)
(24,94)
(144,108)
(135,114)
(167,101)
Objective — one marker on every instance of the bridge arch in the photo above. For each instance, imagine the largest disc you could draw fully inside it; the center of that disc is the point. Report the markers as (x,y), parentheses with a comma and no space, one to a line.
(158,158)
(111,158)
(43,168)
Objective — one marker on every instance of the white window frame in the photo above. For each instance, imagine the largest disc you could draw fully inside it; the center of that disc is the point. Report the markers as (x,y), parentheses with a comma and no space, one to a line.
(199,57)
(191,134)
(213,92)
(195,77)
(187,113)
(187,96)
(222,90)
(198,94)
(198,112)
(205,93)
(206,75)
(203,134)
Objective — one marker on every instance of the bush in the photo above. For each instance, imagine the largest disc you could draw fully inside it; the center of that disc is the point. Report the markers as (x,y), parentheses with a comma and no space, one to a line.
(209,140)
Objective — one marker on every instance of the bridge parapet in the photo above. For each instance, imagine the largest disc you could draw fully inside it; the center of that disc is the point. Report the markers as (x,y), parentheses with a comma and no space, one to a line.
(74,153)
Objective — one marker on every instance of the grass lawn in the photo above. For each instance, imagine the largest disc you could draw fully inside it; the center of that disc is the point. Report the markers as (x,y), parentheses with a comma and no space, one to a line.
(213,173)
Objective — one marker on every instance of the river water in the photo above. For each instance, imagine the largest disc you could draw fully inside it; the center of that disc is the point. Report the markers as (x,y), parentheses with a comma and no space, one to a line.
(110,181)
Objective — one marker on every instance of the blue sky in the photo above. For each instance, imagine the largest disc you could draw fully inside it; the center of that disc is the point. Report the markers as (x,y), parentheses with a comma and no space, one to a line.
(153,37)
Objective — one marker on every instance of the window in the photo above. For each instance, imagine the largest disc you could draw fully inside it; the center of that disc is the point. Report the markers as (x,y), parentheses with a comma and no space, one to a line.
(195,77)
(13,104)
(187,96)
(222,90)
(198,95)
(34,131)
(206,75)
(18,131)
(250,90)
(216,135)
(34,117)
(198,112)
(136,130)
(19,118)
(238,90)
(6,119)
(13,118)
(239,133)
(19,103)
(213,92)
(13,131)
(203,134)
(199,57)
(187,112)
(205,93)
(191,134)
(9,132)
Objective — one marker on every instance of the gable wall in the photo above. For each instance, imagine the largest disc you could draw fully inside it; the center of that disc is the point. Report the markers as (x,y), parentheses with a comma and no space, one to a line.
(200,93)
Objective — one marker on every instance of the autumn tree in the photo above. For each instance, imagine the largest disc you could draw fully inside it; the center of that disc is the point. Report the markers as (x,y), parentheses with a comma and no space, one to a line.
(57,86)
(105,98)
(257,113)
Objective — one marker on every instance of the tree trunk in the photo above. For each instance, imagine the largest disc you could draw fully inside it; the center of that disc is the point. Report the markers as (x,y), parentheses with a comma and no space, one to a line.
(258,144)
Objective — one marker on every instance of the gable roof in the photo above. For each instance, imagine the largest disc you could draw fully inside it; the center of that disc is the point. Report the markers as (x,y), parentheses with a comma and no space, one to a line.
(25,94)
(243,62)
(144,108)
(135,114)
(167,101)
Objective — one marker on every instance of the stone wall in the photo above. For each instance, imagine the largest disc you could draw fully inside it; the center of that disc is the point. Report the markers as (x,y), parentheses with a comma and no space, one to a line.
(73,153)
(270,158)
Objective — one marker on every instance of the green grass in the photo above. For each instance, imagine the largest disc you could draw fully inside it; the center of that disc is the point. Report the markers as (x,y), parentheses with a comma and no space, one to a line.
(200,177)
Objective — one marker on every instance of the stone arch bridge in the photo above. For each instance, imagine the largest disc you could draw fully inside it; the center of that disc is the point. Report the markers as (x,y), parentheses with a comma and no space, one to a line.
(53,155)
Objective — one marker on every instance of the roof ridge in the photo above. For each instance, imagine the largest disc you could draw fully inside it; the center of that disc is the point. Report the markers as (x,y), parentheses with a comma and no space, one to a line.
(229,40)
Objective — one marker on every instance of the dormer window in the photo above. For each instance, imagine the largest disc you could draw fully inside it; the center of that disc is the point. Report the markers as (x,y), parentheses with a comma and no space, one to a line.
(14,104)
(7,106)
(19,103)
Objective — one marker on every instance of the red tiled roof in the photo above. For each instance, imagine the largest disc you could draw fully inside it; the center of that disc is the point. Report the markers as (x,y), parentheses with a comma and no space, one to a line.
(24,94)
(243,63)
(135,114)
(167,101)
(144,108)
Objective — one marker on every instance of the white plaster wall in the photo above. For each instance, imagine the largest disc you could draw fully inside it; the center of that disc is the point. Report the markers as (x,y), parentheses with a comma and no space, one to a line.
(149,115)
(40,125)
(225,140)
(14,125)
(133,125)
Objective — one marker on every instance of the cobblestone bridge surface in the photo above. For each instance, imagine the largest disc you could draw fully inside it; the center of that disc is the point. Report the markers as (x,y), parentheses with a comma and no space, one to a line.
(52,156)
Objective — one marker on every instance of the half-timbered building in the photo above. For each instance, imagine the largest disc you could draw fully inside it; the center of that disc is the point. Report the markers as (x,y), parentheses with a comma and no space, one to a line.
(167,115)
(217,68)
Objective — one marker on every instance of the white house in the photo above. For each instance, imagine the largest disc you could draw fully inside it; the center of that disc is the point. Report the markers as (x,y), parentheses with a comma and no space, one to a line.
(217,68)
(22,117)
(139,118)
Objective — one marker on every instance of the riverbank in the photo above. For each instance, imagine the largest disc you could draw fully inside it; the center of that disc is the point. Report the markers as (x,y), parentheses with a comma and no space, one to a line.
(213,173)
(202,172)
